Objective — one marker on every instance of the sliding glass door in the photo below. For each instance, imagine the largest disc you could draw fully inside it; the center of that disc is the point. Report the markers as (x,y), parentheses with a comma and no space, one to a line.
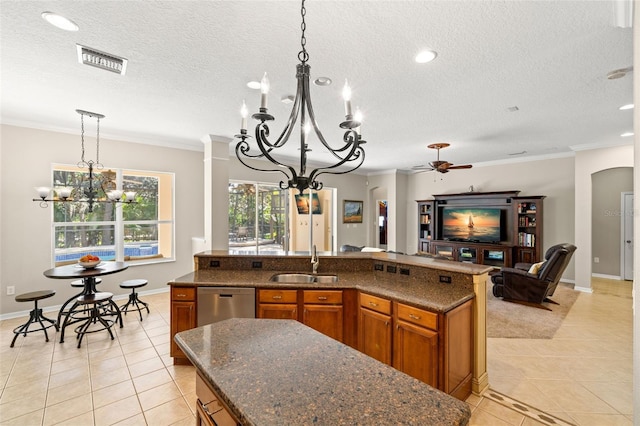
(257,218)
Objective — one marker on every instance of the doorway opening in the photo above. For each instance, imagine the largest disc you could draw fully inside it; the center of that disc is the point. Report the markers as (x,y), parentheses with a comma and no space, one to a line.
(382,223)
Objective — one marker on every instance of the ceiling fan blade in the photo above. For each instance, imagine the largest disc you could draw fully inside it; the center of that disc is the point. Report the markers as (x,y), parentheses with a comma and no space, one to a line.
(464,166)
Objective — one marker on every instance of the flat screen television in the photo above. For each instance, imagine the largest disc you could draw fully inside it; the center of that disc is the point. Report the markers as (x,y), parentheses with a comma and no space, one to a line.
(302,203)
(479,224)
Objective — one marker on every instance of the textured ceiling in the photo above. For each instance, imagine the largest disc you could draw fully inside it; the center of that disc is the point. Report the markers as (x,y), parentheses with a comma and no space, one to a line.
(189,62)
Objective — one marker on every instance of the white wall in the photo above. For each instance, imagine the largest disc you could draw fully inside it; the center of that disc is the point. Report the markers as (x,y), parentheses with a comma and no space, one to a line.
(587,163)
(26,157)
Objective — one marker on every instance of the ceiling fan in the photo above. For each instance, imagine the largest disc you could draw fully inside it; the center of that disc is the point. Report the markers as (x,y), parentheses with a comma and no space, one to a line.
(440,166)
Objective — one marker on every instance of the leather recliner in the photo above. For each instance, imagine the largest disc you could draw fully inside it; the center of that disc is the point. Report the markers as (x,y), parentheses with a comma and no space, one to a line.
(520,285)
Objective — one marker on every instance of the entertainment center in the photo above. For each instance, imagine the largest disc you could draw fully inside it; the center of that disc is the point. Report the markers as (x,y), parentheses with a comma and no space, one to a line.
(491,228)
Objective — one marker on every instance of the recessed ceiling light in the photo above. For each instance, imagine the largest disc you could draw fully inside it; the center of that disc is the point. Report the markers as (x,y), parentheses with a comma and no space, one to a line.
(59,21)
(426,56)
(253,85)
(322,81)
(624,135)
(287,99)
(627,106)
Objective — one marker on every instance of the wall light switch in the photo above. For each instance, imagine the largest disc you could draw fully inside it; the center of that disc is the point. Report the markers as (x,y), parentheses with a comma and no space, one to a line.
(11,290)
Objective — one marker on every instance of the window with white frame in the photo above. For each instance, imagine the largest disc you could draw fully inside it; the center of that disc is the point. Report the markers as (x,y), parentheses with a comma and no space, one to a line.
(140,232)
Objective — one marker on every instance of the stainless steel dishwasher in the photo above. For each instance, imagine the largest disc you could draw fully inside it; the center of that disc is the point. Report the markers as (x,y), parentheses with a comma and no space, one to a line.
(221,303)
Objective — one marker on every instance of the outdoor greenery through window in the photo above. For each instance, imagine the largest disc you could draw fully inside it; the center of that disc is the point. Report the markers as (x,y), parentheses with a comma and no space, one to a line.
(138,232)
(257,218)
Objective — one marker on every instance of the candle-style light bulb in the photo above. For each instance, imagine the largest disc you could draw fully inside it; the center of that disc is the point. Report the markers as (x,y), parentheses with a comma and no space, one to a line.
(307,128)
(264,90)
(346,95)
(244,113)
(129,196)
(358,117)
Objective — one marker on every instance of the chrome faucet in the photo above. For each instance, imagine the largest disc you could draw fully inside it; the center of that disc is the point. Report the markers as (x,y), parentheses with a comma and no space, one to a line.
(315,262)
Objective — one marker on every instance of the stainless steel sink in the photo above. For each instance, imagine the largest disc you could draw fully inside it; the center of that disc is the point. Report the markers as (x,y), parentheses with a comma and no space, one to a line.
(297,278)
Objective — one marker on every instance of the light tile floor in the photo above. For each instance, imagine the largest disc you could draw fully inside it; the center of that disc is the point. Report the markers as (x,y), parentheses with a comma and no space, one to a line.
(581,376)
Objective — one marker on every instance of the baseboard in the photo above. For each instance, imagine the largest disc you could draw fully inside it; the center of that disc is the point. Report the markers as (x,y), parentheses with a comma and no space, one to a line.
(607,277)
(56,308)
(583,289)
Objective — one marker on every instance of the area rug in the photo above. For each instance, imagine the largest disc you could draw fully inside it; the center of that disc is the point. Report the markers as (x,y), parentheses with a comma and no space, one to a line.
(515,321)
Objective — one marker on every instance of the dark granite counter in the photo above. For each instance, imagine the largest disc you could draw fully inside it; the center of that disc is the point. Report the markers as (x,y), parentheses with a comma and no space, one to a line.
(280,372)
(421,286)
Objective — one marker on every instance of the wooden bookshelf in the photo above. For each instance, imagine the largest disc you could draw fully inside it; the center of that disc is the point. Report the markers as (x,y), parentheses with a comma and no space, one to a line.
(528,228)
(426,223)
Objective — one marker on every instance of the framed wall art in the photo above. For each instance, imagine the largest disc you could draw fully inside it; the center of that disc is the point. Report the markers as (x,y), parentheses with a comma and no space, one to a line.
(352,211)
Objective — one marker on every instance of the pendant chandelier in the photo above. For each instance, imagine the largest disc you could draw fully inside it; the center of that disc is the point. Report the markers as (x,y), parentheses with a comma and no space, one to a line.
(92,189)
(349,154)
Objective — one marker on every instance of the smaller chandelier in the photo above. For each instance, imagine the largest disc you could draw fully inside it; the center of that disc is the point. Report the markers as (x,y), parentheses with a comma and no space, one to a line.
(94,189)
(349,154)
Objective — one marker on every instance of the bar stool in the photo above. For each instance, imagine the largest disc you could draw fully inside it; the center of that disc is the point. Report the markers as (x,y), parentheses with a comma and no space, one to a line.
(93,304)
(35,315)
(75,284)
(133,297)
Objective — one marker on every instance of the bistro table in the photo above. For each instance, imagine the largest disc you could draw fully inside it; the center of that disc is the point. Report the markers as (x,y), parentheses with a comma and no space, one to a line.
(88,277)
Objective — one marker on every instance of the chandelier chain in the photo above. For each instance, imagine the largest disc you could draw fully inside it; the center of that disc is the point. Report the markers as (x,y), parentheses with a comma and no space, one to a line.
(303,56)
(98,141)
(82,137)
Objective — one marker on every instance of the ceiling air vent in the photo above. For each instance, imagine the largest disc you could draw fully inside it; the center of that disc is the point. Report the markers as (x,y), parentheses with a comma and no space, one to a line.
(102,60)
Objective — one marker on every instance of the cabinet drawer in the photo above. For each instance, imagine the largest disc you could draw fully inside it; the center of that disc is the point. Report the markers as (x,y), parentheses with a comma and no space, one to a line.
(211,405)
(278,296)
(417,316)
(183,293)
(323,297)
(375,303)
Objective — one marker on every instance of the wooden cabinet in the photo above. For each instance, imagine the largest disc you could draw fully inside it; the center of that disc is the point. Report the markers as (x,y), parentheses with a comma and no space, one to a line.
(374,327)
(434,348)
(415,343)
(426,223)
(528,229)
(323,311)
(278,304)
(520,225)
(210,411)
(183,317)
(457,365)
(496,255)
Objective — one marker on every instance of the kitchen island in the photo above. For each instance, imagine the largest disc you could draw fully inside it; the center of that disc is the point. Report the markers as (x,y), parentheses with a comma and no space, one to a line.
(423,316)
(279,372)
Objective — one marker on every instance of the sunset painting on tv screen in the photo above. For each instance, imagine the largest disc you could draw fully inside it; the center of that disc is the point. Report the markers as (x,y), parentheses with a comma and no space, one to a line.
(479,224)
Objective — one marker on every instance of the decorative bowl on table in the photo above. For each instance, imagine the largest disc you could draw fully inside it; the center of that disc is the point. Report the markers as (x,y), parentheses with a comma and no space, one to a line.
(89,261)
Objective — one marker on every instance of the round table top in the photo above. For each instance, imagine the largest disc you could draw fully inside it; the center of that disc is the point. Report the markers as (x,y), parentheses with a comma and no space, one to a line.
(77,271)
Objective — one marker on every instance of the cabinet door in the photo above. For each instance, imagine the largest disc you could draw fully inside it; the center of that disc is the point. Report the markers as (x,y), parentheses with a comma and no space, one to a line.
(325,319)
(183,317)
(374,335)
(278,311)
(415,352)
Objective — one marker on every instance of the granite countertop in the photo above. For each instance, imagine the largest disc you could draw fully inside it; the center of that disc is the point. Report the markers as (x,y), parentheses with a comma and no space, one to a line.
(281,372)
(435,297)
